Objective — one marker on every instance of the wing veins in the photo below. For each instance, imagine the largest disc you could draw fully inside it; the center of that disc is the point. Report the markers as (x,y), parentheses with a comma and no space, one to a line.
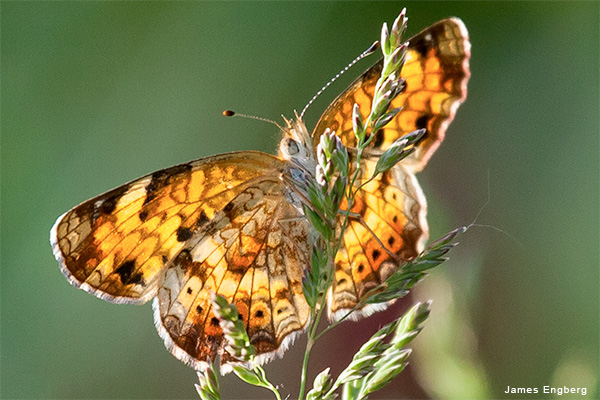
(224,255)
(362,248)
(185,204)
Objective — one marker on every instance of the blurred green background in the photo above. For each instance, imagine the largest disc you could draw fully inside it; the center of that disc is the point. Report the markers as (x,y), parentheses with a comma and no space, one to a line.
(95,94)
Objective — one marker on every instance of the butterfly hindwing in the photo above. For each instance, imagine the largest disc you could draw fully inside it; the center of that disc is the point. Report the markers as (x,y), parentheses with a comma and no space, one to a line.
(386,227)
(253,253)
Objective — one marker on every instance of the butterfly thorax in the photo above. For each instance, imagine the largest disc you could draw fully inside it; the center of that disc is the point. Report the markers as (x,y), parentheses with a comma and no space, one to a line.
(296,148)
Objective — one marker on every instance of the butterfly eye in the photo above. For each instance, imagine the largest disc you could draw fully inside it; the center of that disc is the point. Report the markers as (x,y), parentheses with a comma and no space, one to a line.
(290,147)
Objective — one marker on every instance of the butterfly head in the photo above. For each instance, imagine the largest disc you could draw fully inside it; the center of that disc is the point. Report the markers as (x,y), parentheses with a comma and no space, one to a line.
(296,144)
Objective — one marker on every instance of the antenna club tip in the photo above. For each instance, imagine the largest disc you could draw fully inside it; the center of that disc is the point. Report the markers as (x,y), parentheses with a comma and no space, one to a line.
(230,113)
(373,47)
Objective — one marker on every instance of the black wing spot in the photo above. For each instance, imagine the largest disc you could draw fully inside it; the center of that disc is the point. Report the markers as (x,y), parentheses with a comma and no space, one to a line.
(378,140)
(395,219)
(127,275)
(391,240)
(202,219)
(228,209)
(376,253)
(109,204)
(360,268)
(183,234)
(199,309)
(423,43)
(143,216)
(259,314)
(189,290)
(422,121)
(214,321)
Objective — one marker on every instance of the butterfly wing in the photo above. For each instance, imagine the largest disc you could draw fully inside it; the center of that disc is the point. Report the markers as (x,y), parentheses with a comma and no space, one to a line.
(220,224)
(115,246)
(388,224)
(436,73)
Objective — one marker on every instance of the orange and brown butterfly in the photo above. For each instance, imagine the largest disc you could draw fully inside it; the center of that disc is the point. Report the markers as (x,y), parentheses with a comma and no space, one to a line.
(233,224)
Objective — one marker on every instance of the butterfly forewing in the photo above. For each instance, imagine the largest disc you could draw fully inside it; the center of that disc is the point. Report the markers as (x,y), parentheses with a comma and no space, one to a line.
(436,71)
(116,245)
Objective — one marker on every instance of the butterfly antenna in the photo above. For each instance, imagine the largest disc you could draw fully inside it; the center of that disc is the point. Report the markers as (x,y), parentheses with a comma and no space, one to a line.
(365,53)
(230,113)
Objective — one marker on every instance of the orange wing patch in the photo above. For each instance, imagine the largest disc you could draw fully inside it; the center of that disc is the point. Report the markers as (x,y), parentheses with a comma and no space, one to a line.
(436,73)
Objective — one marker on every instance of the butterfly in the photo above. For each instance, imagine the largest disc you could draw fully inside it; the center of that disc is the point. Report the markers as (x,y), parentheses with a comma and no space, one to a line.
(233,224)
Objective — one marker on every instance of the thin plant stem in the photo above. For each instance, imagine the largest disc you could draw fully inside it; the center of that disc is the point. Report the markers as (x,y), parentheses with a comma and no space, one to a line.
(311,334)
(309,345)
(271,387)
